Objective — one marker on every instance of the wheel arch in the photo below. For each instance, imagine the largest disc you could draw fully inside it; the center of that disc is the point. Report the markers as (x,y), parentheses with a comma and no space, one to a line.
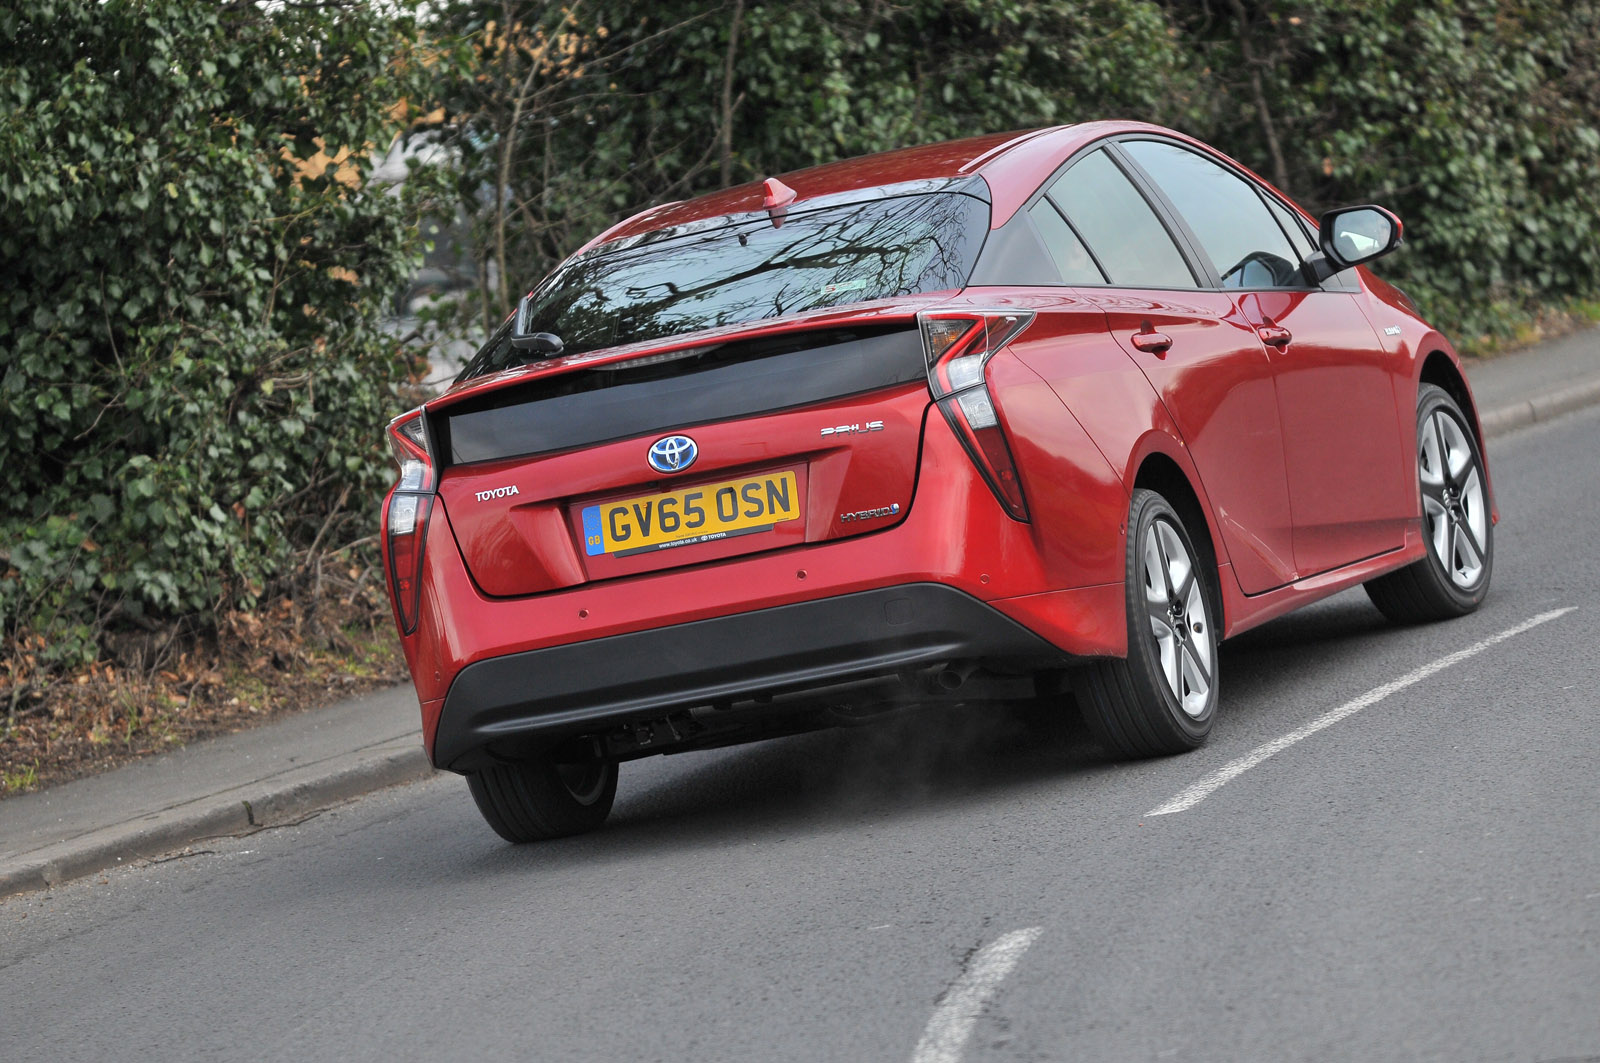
(1160,473)
(1440,370)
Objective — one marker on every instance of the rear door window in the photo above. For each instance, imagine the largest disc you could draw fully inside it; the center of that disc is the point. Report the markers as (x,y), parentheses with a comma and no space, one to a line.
(1071,257)
(1225,213)
(1118,226)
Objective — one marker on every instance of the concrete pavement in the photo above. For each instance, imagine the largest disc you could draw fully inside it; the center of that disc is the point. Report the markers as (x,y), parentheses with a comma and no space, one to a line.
(228,785)
(289,768)
(1538,383)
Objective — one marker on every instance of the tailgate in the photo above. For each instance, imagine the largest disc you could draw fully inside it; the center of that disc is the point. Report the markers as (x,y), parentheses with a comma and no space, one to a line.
(797,438)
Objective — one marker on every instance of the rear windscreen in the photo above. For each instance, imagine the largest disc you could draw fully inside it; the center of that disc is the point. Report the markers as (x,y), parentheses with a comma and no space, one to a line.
(669,284)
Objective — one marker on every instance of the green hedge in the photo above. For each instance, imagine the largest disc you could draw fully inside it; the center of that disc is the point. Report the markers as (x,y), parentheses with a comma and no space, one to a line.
(193,379)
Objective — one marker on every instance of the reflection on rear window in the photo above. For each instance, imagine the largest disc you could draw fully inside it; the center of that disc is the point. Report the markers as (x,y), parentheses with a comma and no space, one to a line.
(751,270)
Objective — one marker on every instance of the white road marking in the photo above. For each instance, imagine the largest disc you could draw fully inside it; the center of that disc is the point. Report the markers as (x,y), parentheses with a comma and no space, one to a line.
(953,1019)
(1210,784)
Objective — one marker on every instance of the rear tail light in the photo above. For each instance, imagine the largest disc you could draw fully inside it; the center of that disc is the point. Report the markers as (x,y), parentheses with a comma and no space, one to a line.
(405,519)
(959,343)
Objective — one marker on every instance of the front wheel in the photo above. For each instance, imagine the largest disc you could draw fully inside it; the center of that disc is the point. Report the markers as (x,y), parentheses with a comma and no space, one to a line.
(1453,577)
(1163,698)
(539,798)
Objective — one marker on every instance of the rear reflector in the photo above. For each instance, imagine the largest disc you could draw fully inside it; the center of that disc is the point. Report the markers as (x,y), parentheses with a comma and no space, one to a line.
(959,343)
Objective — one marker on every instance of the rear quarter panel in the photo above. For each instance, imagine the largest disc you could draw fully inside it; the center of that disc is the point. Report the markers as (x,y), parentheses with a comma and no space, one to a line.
(1082,459)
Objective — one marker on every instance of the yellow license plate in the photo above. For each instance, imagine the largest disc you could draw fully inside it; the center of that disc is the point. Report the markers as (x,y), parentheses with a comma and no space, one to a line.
(693,515)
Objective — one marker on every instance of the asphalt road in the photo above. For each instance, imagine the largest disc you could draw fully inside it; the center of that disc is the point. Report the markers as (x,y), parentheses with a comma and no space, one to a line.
(1417,881)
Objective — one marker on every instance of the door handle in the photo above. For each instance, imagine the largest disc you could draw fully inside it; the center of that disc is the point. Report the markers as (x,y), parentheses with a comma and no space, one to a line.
(1274,335)
(1152,342)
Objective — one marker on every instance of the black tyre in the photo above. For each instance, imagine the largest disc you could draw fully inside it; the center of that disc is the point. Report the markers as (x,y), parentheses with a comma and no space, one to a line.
(537,799)
(1163,698)
(1454,576)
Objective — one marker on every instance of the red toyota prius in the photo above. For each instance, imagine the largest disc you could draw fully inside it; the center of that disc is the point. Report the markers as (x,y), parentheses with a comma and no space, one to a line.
(1039,415)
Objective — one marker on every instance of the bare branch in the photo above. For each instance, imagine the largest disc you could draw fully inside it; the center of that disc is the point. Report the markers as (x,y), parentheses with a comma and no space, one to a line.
(727,91)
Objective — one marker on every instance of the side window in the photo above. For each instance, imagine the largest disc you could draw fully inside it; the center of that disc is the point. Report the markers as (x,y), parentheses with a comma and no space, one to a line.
(1071,257)
(1226,214)
(1291,224)
(1124,234)
(1305,242)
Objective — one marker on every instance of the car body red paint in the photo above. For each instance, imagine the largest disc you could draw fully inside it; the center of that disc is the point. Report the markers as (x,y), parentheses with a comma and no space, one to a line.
(1300,457)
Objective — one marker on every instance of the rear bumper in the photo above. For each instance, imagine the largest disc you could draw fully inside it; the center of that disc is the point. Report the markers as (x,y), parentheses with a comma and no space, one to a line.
(800,653)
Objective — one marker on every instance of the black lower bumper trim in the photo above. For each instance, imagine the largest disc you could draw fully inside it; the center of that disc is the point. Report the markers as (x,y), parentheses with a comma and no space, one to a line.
(547,695)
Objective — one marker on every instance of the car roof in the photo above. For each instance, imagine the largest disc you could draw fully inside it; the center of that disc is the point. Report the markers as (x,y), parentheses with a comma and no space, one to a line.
(1012,164)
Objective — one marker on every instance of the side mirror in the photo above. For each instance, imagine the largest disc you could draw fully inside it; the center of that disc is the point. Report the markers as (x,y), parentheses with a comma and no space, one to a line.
(1351,236)
(543,344)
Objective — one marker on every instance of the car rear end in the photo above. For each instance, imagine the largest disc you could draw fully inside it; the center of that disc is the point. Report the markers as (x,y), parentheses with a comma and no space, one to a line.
(764,486)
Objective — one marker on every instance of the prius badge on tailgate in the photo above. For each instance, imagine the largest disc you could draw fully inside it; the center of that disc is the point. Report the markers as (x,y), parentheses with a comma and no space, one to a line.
(852,429)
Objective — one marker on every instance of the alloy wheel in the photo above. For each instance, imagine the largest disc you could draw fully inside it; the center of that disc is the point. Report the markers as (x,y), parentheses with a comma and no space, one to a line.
(1453,504)
(1176,605)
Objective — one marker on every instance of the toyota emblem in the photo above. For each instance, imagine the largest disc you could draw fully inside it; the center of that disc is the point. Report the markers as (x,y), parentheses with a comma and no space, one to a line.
(672,454)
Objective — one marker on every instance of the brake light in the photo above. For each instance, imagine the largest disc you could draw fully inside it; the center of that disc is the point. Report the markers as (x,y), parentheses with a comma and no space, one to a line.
(959,343)
(405,519)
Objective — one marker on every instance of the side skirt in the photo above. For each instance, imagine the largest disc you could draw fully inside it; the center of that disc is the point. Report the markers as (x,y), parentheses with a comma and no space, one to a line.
(1245,611)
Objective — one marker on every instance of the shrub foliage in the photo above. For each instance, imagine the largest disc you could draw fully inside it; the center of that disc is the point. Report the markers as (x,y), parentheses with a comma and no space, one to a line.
(193,267)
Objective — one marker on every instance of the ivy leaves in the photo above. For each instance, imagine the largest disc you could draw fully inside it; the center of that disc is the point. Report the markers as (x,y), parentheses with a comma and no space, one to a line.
(193,270)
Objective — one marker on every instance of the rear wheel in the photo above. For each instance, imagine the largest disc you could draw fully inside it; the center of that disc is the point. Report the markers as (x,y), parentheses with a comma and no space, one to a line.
(1163,698)
(1453,577)
(535,799)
